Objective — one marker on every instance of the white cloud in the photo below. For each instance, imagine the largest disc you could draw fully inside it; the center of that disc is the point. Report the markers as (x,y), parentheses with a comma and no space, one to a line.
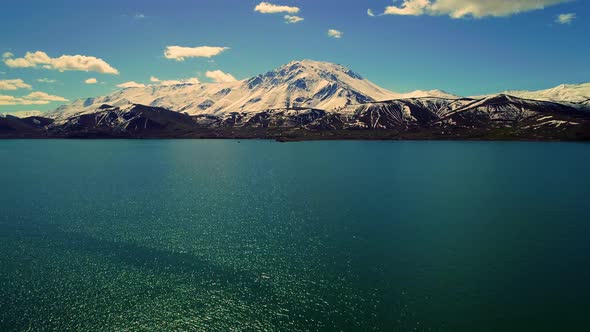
(139,16)
(468,8)
(290,19)
(44,96)
(565,18)
(335,33)
(14,84)
(370,12)
(45,80)
(62,63)
(179,53)
(220,77)
(10,100)
(91,81)
(154,79)
(33,98)
(131,84)
(269,8)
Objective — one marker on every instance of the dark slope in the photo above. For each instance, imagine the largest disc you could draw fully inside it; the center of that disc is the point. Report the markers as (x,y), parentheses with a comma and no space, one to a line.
(137,121)
(11,126)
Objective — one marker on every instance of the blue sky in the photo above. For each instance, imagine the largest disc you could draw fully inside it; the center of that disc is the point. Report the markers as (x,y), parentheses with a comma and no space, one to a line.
(465,47)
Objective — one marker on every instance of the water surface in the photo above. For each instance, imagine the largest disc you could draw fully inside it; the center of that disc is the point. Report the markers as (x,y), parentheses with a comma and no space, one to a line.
(203,235)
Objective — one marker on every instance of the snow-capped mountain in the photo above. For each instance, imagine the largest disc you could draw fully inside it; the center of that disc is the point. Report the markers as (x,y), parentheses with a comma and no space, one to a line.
(306,83)
(496,117)
(572,93)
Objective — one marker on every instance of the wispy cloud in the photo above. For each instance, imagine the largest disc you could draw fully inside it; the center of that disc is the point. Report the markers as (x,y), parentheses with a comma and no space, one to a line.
(180,53)
(291,19)
(220,77)
(14,84)
(370,12)
(131,84)
(45,80)
(565,18)
(139,16)
(63,63)
(269,8)
(335,33)
(10,100)
(91,81)
(33,98)
(468,8)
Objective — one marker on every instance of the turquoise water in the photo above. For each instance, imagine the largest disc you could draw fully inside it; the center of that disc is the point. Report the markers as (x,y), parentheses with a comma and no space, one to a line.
(155,235)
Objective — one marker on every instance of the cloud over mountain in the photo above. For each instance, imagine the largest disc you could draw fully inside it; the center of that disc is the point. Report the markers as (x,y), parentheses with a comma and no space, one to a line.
(192,80)
(220,77)
(40,59)
(44,96)
(131,84)
(33,98)
(157,81)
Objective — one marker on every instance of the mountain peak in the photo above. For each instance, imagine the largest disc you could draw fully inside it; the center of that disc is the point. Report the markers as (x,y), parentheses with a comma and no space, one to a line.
(312,63)
(321,68)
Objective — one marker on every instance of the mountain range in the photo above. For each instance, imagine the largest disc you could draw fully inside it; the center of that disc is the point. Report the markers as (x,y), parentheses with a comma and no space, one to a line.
(313,100)
(307,84)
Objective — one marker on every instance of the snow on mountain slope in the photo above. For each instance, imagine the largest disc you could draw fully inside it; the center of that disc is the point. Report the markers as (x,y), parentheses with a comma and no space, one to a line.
(431,93)
(307,83)
(24,114)
(572,93)
(400,112)
(438,106)
(507,110)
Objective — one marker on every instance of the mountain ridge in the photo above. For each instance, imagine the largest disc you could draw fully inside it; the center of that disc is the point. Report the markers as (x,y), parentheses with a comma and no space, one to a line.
(563,93)
(304,83)
(311,100)
(500,117)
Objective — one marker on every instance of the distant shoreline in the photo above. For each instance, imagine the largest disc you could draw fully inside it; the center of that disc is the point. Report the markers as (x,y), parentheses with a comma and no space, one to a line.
(286,139)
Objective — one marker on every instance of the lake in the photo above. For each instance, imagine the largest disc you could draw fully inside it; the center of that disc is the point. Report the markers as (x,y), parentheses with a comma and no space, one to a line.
(223,235)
